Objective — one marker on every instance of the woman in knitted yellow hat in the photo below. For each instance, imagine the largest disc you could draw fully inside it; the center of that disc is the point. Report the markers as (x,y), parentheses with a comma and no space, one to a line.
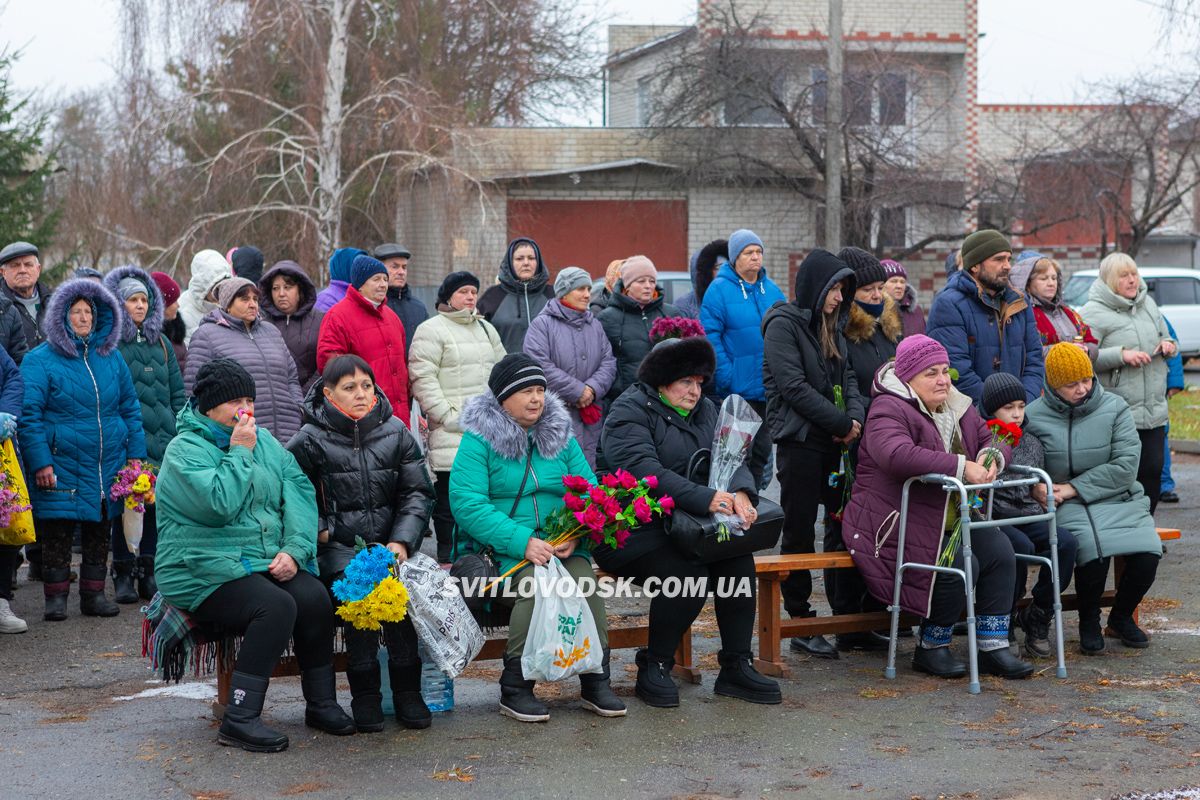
(1092,451)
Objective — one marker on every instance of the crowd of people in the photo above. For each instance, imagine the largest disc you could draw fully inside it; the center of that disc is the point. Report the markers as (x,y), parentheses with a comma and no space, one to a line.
(279,418)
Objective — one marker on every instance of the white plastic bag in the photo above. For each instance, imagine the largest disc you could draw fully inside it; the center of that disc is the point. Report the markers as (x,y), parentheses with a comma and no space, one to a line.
(451,636)
(737,425)
(562,639)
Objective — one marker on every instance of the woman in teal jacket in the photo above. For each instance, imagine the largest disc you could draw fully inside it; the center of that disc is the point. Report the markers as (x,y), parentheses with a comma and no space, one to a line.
(506,479)
(80,424)
(1092,451)
(237,549)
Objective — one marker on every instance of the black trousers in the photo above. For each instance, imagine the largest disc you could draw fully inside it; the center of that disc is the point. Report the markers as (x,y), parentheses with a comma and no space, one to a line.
(760,448)
(1150,466)
(803,487)
(1136,579)
(671,616)
(362,647)
(268,613)
(149,544)
(8,562)
(56,536)
(993,568)
(1033,539)
(443,520)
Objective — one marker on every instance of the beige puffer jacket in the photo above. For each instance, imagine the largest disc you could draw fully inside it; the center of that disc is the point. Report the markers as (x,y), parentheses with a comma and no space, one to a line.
(451,357)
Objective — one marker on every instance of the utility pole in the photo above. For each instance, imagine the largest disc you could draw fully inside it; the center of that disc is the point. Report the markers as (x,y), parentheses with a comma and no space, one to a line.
(833,131)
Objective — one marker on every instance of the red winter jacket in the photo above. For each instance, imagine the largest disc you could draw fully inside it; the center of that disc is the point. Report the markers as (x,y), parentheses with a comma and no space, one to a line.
(376,335)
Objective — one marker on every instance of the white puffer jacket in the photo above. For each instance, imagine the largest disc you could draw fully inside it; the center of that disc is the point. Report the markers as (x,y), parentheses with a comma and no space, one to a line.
(208,269)
(451,357)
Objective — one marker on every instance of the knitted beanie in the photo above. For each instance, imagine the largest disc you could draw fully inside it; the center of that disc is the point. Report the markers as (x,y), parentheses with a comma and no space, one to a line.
(636,267)
(128,287)
(363,267)
(228,289)
(514,372)
(999,390)
(168,287)
(1067,363)
(917,353)
(894,269)
(569,280)
(867,269)
(982,245)
(220,381)
(739,240)
(452,283)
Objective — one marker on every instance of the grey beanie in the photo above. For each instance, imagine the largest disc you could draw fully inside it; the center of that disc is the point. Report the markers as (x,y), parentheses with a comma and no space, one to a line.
(128,287)
(570,279)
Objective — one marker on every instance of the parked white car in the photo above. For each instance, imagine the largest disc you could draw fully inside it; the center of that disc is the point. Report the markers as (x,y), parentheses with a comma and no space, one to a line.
(1176,290)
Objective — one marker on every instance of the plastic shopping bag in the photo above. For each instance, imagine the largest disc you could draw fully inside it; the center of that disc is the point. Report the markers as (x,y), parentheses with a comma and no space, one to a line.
(451,636)
(562,638)
(15,502)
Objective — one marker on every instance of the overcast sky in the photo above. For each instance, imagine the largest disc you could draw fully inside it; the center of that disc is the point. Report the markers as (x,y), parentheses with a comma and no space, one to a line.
(1041,51)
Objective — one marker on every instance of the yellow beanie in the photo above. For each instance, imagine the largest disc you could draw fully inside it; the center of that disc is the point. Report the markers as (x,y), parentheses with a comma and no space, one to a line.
(1067,363)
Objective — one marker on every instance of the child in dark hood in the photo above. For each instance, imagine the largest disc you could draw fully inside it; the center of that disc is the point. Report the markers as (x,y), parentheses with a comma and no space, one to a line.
(520,295)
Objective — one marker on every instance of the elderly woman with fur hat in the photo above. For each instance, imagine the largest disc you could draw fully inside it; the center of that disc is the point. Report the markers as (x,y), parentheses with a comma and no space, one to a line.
(569,343)
(632,308)
(236,330)
(516,449)
(654,428)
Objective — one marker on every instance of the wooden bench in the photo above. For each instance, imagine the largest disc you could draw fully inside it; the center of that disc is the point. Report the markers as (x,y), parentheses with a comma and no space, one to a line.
(773,629)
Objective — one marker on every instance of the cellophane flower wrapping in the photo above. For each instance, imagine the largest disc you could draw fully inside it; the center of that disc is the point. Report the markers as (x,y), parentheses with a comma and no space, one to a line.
(737,425)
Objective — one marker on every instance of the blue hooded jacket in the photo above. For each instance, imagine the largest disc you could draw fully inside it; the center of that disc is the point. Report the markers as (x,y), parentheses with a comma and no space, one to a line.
(732,315)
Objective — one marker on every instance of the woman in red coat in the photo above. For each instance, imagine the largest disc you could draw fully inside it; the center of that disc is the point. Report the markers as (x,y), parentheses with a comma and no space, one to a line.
(361,324)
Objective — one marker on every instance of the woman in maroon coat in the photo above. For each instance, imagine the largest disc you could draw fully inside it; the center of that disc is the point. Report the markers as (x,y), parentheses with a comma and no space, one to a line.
(919,424)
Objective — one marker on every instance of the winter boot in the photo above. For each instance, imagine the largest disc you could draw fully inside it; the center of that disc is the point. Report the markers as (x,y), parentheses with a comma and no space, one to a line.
(738,678)
(147,587)
(1128,631)
(122,575)
(33,554)
(654,684)
(242,725)
(1035,621)
(56,583)
(411,711)
(366,701)
(597,694)
(516,694)
(92,601)
(321,710)
(1002,663)
(939,662)
(1091,637)
(10,622)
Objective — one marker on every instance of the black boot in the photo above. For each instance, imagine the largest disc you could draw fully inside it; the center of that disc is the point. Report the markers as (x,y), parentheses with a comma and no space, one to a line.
(366,700)
(654,684)
(1035,620)
(738,678)
(938,662)
(1128,631)
(122,575)
(242,725)
(321,710)
(1003,663)
(147,587)
(1091,637)
(411,711)
(516,694)
(816,646)
(56,585)
(33,554)
(596,692)
(868,641)
(92,601)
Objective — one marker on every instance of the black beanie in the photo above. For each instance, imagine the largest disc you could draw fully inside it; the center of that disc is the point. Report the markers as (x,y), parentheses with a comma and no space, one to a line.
(248,263)
(220,381)
(452,283)
(514,372)
(999,390)
(867,268)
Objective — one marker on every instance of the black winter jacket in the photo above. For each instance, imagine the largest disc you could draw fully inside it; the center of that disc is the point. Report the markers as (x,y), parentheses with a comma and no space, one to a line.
(646,437)
(12,332)
(411,311)
(627,326)
(797,376)
(369,475)
(871,343)
(29,326)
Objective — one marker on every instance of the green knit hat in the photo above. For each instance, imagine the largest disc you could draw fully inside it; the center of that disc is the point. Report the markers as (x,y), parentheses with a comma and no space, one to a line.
(982,245)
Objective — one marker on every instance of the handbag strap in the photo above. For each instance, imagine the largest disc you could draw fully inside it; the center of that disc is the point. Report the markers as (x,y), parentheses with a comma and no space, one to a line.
(698,458)
(516,502)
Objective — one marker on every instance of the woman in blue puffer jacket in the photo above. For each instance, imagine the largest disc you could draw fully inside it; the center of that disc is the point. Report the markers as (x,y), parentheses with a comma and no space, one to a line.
(80,423)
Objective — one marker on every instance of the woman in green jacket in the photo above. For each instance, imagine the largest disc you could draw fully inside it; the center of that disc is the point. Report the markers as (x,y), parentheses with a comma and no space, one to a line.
(237,549)
(1091,451)
(1132,360)
(506,479)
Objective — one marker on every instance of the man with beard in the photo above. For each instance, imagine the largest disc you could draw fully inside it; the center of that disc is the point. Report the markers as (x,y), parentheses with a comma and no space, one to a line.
(985,325)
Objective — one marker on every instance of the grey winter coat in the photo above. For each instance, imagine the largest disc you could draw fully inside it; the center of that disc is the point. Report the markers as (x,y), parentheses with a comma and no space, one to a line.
(574,352)
(513,304)
(1095,447)
(299,330)
(262,351)
(1017,501)
(627,326)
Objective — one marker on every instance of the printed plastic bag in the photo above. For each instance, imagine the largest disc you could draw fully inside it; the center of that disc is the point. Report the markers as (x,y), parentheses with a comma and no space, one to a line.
(19,529)
(562,638)
(451,636)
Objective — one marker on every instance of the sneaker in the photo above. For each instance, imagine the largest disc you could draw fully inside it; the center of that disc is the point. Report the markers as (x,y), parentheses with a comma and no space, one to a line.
(10,622)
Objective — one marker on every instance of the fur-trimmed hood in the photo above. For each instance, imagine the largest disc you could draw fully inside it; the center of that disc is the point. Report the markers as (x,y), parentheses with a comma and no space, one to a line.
(703,263)
(861,326)
(106,310)
(672,359)
(152,325)
(485,417)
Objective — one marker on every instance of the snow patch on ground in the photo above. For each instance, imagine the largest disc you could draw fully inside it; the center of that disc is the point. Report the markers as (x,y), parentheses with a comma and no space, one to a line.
(188,691)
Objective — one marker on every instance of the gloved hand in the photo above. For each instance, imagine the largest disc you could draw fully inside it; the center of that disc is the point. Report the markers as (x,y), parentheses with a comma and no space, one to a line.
(8,425)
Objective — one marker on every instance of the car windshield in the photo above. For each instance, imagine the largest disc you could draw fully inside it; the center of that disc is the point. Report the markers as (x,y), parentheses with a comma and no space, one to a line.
(1076,293)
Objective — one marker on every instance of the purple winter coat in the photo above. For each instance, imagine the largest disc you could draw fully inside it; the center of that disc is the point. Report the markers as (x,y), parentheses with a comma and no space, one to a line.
(573,350)
(331,295)
(912,316)
(901,441)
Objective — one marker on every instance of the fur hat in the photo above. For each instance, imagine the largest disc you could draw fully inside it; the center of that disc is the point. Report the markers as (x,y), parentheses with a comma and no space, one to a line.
(672,359)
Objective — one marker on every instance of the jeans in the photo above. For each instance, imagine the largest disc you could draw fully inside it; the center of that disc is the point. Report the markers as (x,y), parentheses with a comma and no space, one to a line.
(1168,482)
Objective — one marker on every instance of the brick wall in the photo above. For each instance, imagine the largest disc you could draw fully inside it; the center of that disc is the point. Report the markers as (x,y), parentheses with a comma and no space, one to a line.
(929,20)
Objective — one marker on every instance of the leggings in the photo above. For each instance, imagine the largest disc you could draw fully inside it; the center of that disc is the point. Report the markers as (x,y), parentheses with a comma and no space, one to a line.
(56,536)
(8,562)
(1150,465)
(1136,579)
(1033,539)
(522,606)
(149,544)
(268,613)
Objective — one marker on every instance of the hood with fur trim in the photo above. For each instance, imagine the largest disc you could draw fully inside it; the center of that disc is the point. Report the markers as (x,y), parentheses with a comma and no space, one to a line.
(704,264)
(106,310)
(860,325)
(485,417)
(153,324)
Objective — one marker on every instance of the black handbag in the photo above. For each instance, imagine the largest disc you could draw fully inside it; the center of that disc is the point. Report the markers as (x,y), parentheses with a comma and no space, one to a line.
(482,567)
(699,537)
